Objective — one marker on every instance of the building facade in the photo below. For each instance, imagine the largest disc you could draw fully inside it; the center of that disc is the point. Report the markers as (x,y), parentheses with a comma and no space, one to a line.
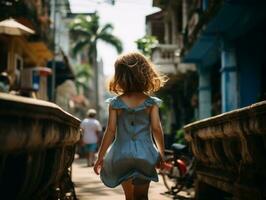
(24,55)
(225,39)
(167,26)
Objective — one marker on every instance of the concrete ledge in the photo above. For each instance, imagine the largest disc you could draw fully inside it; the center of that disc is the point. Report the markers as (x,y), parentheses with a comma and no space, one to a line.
(37,148)
(233,142)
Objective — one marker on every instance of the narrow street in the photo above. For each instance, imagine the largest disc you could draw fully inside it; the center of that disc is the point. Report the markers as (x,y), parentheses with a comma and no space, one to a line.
(89,186)
(190,72)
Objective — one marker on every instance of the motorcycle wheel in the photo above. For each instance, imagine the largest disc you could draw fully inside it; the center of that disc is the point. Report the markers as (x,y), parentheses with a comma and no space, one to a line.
(170,179)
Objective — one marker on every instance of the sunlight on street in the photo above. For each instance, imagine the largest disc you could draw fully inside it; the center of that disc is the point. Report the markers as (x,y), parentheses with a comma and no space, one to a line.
(89,186)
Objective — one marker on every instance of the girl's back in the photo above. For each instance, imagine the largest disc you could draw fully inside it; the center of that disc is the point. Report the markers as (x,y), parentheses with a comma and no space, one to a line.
(133,120)
(133,153)
(133,99)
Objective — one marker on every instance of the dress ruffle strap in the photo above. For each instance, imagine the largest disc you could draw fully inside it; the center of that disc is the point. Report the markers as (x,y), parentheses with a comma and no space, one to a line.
(117,103)
(153,100)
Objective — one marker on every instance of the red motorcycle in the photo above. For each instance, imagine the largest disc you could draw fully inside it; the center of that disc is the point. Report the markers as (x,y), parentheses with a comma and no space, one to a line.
(178,172)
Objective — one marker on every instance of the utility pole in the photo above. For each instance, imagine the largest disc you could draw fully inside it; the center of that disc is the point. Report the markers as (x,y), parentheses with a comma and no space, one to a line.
(95,63)
(54,50)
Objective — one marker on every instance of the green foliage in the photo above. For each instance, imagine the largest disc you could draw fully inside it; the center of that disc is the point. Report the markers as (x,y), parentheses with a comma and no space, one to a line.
(83,73)
(165,111)
(180,136)
(166,102)
(146,43)
(86,31)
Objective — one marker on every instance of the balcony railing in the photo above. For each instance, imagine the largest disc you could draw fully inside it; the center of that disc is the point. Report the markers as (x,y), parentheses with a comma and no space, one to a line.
(230,149)
(37,147)
(165,57)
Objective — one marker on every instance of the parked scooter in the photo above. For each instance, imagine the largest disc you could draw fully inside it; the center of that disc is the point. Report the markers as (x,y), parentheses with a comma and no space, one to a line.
(178,172)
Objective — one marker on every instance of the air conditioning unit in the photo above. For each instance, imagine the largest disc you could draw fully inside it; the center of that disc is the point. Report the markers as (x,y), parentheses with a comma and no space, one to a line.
(30,77)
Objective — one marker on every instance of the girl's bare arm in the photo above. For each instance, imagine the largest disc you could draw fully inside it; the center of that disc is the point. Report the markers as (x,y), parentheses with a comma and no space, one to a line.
(157,129)
(109,133)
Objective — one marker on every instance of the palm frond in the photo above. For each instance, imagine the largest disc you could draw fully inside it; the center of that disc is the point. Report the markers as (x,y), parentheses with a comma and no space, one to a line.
(112,40)
(83,74)
(80,27)
(79,32)
(87,28)
(107,28)
(82,67)
(79,46)
(95,23)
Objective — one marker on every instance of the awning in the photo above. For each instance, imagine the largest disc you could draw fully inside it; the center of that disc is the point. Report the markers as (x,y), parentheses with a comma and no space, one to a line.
(41,50)
(63,71)
(37,52)
(43,71)
(205,51)
(231,21)
(12,27)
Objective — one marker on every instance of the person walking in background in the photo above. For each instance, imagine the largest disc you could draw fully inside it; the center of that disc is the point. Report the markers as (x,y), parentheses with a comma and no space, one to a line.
(133,120)
(91,132)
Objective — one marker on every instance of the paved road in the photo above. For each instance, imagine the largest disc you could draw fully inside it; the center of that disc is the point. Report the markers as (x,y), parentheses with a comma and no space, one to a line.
(89,187)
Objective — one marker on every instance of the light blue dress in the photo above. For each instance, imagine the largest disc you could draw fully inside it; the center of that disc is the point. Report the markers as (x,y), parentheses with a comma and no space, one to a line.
(133,153)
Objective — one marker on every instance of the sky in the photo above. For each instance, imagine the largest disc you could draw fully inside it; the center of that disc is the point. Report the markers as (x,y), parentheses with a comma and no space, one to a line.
(128,19)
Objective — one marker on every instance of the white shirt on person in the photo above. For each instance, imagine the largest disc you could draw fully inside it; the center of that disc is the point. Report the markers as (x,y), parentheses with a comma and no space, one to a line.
(90,127)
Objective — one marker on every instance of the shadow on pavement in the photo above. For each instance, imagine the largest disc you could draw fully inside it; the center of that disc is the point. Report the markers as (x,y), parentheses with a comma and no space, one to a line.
(89,186)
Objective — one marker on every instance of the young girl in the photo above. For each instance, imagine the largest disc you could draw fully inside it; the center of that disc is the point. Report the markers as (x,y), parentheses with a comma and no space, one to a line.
(133,119)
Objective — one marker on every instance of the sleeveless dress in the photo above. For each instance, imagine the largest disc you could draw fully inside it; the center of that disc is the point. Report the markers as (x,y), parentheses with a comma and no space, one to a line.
(132,155)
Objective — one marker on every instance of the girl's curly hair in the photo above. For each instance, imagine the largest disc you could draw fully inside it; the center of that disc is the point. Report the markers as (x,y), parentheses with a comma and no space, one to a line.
(135,73)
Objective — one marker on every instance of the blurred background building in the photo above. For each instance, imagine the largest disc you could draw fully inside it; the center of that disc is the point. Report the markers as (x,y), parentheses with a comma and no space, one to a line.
(225,39)
(179,107)
(26,41)
(36,53)
(225,42)
(212,52)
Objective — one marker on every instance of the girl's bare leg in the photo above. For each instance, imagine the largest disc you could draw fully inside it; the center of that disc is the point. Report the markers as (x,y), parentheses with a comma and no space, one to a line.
(128,189)
(141,191)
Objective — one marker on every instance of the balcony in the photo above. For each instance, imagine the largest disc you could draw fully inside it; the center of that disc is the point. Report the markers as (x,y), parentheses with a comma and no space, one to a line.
(37,149)
(32,14)
(165,58)
(230,149)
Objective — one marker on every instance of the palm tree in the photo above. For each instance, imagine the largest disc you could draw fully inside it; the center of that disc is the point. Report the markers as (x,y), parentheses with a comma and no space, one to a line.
(86,32)
(82,74)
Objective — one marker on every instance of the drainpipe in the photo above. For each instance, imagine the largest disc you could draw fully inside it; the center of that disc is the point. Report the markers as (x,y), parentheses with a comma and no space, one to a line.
(205,5)
(54,50)
(174,26)
(204,92)
(228,76)
(97,103)
(184,15)
(166,32)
